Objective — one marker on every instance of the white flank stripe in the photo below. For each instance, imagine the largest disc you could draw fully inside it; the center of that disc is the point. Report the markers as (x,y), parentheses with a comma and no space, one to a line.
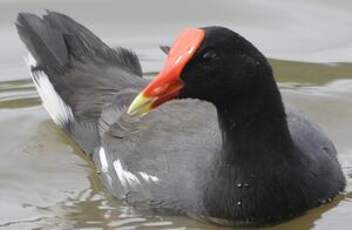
(103,160)
(126,177)
(58,110)
(148,178)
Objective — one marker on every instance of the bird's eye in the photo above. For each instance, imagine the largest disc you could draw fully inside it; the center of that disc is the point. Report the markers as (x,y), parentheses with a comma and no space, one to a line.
(208,57)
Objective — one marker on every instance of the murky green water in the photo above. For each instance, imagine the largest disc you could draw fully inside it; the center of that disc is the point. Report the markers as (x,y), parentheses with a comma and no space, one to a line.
(46,182)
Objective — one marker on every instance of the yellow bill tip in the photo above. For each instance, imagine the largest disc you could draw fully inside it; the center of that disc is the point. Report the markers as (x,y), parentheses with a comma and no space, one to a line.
(140,106)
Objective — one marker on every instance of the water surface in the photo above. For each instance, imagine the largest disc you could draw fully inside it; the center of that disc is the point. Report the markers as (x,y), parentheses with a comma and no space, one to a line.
(47,183)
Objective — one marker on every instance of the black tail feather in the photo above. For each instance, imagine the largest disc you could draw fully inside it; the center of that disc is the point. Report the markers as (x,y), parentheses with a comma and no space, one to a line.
(55,37)
(46,44)
(75,73)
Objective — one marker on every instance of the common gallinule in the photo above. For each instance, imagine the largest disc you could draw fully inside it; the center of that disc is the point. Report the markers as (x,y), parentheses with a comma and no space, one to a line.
(228,149)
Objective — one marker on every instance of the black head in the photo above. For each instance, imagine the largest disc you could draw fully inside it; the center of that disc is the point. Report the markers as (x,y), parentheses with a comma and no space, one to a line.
(213,64)
(225,67)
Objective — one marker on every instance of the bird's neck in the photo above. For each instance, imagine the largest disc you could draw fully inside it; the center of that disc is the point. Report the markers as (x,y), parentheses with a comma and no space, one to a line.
(253,128)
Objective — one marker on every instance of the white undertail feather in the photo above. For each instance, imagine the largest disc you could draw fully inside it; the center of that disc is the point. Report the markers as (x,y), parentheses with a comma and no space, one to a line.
(58,110)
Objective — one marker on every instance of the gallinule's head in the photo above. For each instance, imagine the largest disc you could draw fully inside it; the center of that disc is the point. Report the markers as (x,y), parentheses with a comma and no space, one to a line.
(213,64)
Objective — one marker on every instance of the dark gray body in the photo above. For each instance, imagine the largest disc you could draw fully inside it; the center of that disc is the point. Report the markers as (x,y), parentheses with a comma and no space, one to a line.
(167,158)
